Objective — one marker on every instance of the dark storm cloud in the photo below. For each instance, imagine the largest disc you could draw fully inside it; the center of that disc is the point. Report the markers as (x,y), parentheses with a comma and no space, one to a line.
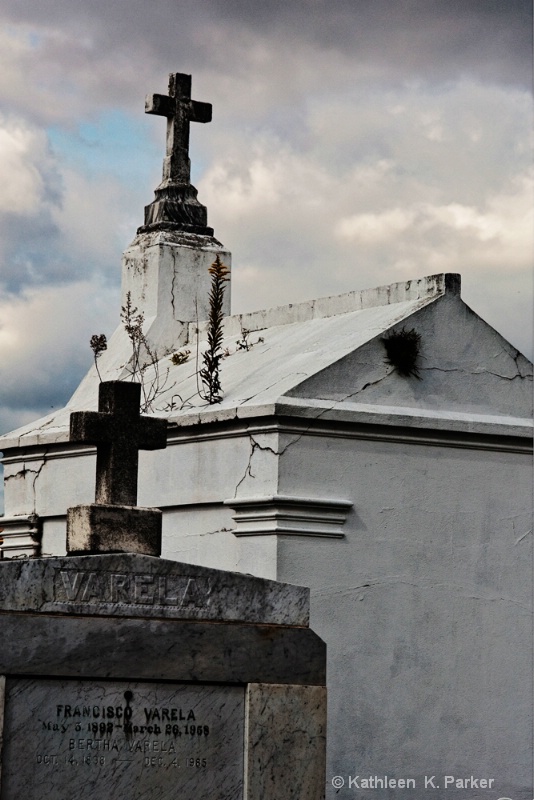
(436,39)
(53,390)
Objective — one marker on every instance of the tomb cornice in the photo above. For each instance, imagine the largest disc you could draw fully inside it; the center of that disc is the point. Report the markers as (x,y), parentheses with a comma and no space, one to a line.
(311,416)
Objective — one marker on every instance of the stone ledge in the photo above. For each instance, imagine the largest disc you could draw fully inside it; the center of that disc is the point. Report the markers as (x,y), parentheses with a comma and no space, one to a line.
(156,650)
(295,516)
(420,289)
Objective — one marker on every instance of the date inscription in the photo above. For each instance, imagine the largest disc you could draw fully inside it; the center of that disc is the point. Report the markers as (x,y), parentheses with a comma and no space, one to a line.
(145,739)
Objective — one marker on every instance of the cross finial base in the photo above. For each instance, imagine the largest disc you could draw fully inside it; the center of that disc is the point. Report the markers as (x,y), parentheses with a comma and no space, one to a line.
(176,207)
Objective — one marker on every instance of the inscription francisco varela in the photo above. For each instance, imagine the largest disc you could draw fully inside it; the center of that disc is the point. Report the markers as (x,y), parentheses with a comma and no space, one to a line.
(83,586)
(144,739)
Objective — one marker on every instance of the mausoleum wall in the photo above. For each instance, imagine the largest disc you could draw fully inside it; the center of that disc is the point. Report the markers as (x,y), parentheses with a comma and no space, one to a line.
(425,603)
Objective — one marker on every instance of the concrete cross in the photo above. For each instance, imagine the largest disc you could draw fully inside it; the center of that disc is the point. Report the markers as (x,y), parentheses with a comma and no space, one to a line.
(180,110)
(119,432)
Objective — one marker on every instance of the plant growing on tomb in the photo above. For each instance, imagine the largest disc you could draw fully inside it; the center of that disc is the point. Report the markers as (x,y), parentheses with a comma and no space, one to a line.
(180,357)
(403,350)
(145,362)
(98,344)
(244,343)
(211,358)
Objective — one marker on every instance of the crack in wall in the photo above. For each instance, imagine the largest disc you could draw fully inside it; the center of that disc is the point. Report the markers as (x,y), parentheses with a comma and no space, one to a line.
(395,580)
(34,488)
(22,473)
(522,537)
(210,533)
(270,386)
(366,386)
(478,372)
(267,449)
(256,445)
(172,284)
(248,468)
(516,358)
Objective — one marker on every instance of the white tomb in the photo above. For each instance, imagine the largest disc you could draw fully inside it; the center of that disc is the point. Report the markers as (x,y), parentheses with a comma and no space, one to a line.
(402,500)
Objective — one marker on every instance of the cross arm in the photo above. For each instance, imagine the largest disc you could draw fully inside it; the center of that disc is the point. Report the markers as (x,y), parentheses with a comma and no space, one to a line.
(200,112)
(160,104)
(152,433)
(90,427)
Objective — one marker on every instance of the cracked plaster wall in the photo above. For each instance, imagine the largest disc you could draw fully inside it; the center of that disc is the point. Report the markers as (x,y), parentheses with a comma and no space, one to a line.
(464,365)
(167,276)
(46,484)
(189,480)
(201,534)
(426,606)
(21,482)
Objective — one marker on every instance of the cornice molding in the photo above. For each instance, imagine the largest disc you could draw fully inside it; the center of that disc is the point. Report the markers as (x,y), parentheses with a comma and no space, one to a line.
(272,515)
(20,536)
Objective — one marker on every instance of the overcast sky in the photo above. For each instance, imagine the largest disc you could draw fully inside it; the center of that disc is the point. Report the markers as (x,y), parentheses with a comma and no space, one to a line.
(353,143)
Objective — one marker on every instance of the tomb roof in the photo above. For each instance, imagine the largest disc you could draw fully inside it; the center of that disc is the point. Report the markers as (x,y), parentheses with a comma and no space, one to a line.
(325,358)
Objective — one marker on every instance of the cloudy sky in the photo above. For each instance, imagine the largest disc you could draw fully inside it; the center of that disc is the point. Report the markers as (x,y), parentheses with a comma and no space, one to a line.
(353,143)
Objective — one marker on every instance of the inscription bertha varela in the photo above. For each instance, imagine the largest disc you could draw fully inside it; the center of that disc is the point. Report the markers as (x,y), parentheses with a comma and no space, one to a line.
(102,739)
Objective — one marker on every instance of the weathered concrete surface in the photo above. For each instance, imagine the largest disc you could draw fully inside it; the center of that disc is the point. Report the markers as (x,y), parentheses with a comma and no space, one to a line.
(128,585)
(426,607)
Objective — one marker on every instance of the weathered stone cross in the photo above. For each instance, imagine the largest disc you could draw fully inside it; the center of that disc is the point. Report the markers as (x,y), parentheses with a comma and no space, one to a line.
(119,432)
(114,523)
(180,110)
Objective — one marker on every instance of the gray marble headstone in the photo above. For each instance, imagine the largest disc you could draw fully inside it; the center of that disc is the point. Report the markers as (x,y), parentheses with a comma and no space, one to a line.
(124,739)
(128,676)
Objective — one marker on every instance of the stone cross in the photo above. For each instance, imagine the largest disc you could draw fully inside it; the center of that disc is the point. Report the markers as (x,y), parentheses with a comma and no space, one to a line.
(119,432)
(180,110)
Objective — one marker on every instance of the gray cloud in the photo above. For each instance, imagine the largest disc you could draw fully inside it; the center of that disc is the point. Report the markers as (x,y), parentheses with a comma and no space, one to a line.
(489,39)
(50,327)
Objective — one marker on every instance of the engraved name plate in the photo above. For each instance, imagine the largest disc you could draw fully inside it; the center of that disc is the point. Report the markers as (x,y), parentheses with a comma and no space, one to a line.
(100,740)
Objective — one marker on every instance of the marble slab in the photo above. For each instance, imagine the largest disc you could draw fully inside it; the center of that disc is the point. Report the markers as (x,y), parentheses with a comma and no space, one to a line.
(99,739)
(129,585)
(161,649)
(285,752)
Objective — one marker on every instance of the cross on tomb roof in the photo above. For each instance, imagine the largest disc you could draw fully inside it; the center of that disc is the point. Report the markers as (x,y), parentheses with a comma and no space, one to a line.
(176,206)
(119,432)
(180,110)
